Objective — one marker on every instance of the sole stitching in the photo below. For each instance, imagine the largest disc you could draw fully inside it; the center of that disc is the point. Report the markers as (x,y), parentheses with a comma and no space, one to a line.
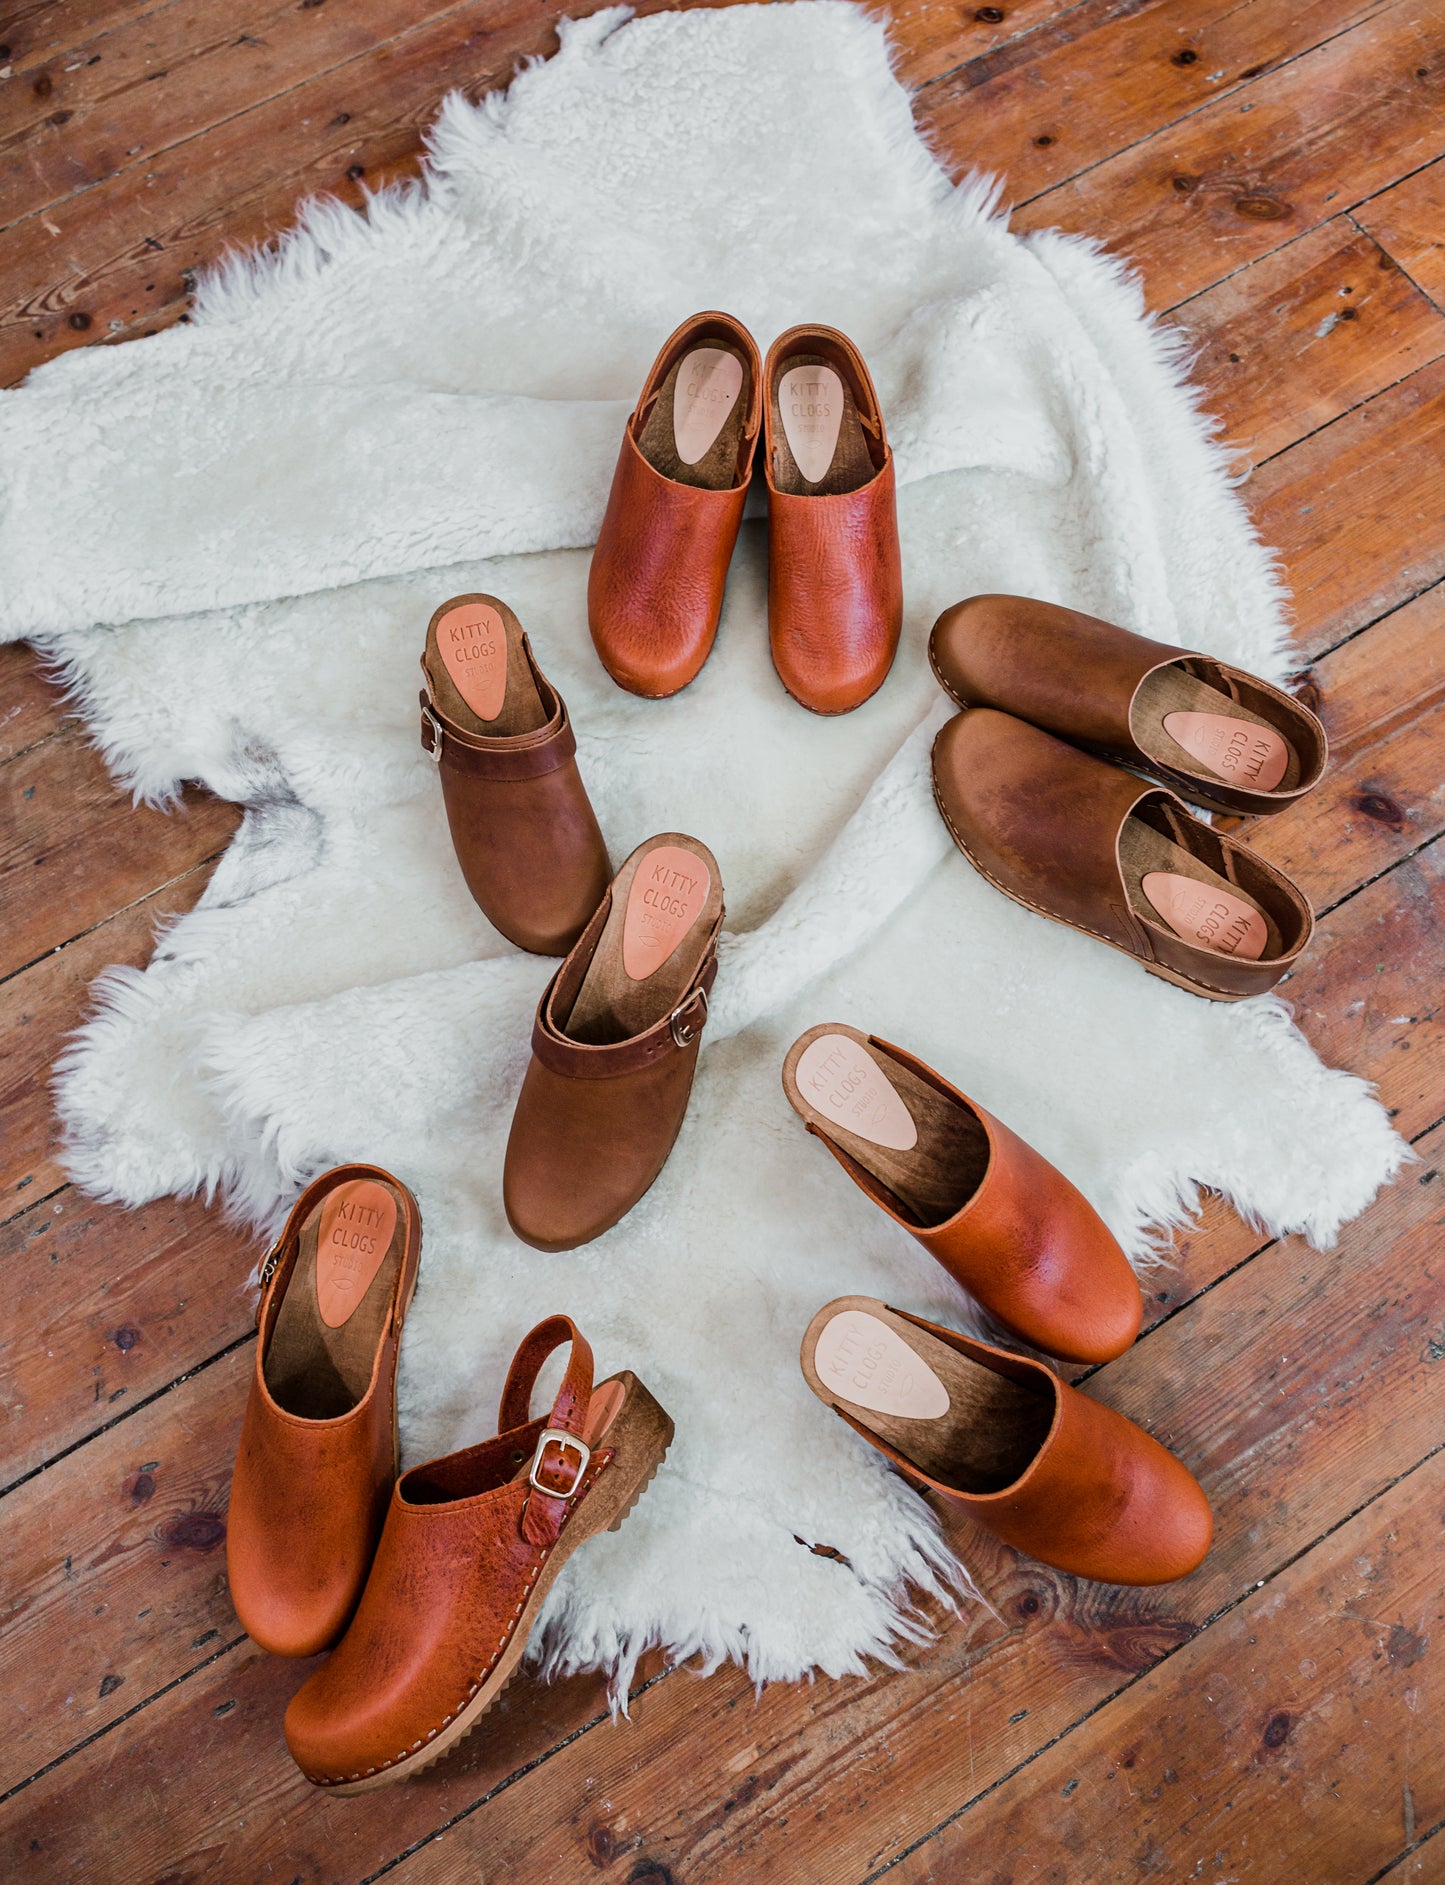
(1082,928)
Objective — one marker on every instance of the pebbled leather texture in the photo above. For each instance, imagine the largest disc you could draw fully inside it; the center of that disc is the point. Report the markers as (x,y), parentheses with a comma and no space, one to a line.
(1101,1498)
(835,571)
(308,1497)
(658,572)
(1077,677)
(594,1125)
(1041,820)
(1027,1245)
(465,1544)
(522,825)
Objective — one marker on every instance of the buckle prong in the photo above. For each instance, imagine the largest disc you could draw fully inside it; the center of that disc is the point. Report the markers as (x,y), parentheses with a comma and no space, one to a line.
(683,1032)
(554,1436)
(434,751)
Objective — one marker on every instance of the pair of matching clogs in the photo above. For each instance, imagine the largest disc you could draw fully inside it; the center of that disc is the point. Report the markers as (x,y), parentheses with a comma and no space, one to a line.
(427,1582)
(1049,1470)
(835,584)
(1030,779)
(617,1031)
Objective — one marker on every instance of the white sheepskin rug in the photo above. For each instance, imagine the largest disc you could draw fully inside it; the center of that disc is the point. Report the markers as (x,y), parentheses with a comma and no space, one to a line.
(230,537)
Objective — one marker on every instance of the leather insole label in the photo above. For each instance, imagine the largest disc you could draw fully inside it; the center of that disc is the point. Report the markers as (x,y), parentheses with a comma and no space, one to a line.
(862,1360)
(1199,913)
(668,892)
(1237,751)
(358,1220)
(810,401)
(840,1079)
(704,393)
(473,641)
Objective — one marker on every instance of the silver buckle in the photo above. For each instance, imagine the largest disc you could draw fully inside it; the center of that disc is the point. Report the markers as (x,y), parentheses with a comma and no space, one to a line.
(683,1033)
(555,1436)
(434,751)
(271,1261)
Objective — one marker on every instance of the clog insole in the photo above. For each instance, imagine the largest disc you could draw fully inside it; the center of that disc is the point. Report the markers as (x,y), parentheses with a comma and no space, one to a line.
(665,901)
(819,445)
(692,433)
(478,671)
(1169,885)
(956,1420)
(929,1153)
(1186,723)
(338,1296)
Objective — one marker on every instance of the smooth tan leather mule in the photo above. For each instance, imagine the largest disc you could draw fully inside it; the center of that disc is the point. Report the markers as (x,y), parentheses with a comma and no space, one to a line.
(655,588)
(1105,852)
(472,1545)
(1048,1470)
(1000,1219)
(614,1048)
(1219,736)
(835,572)
(522,825)
(318,1447)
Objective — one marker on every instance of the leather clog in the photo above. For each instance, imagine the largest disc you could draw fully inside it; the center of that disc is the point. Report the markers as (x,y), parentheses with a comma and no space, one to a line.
(1047,1469)
(522,826)
(994,1212)
(655,588)
(614,1048)
(318,1451)
(1217,735)
(1105,852)
(835,572)
(473,1543)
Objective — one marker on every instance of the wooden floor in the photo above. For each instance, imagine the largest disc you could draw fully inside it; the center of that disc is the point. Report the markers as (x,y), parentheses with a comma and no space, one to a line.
(1275,170)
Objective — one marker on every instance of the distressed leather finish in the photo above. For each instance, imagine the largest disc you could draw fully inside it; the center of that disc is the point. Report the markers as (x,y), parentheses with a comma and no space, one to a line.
(308,1497)
(1042,821)
(522,825)
(835,571)
(1079,677)
(1027,1245)
(594,1124)
(456,1578)
(1099,1499)
(655,587)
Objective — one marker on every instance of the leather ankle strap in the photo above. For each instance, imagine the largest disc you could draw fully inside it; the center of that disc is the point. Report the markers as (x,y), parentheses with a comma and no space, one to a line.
(675,1032)
(522,756)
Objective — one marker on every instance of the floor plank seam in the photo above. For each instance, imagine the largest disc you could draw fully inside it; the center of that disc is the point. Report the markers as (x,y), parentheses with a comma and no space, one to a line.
(128,1413)
(32,1204)
(1436,582)
(320,72)
(1003,45)
(1404,1853)
(1165,1656)
(110,1726)
(1370,236)
(1420,366)
(502,1785)
(206,863)
(1233,91)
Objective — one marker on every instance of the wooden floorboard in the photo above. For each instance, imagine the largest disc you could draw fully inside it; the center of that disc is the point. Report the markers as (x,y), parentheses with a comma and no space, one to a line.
(1275,174)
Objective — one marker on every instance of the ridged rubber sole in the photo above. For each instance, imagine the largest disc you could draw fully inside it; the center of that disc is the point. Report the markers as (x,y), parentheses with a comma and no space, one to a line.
(641,1434)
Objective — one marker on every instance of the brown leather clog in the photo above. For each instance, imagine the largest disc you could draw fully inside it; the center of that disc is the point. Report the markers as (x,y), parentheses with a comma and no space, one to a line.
(522,825)
(835,573)
(1102,850)
(655,588)
(1000,1219)
(472,1545)
(318,1450)
(614,1048)
(1218,735)
(1047,1469)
